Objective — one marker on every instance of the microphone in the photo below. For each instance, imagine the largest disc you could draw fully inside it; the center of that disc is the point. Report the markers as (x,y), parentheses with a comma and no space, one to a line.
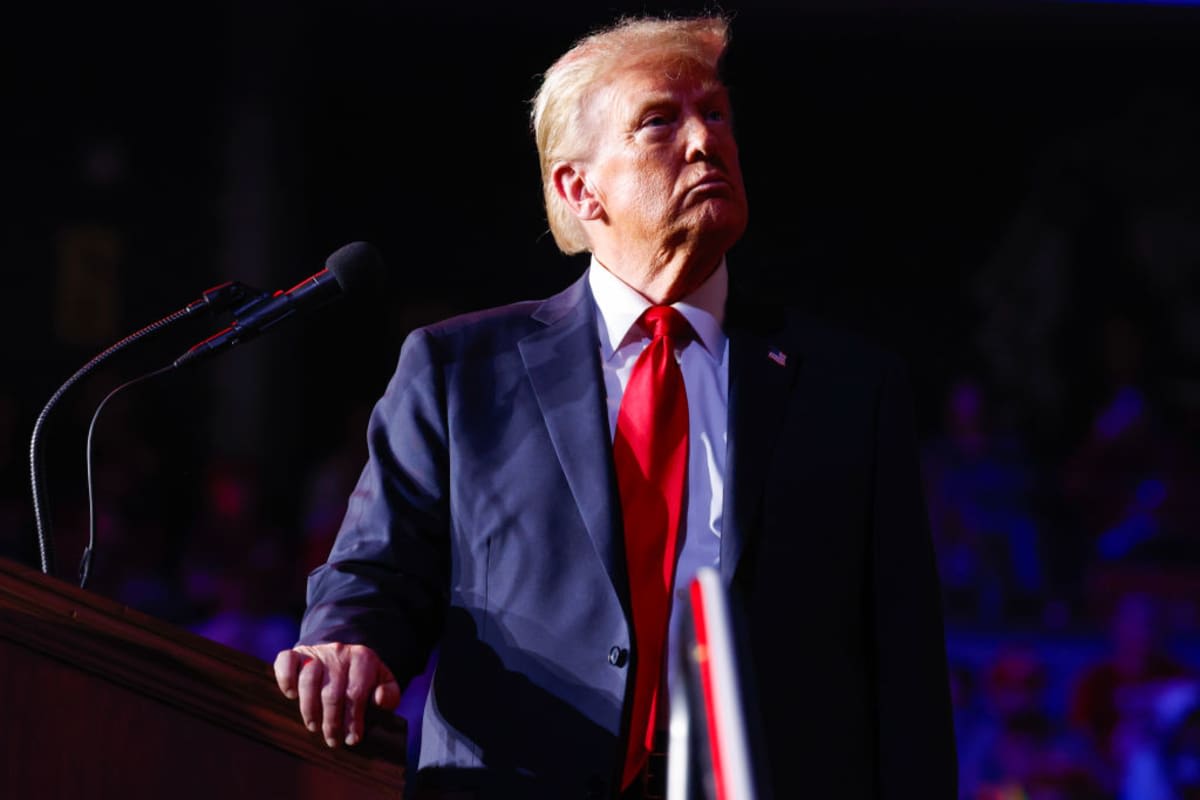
(355,268)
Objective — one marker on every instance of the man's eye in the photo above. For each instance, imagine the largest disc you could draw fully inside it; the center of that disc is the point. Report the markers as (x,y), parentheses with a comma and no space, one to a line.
(716,115)
(656,121)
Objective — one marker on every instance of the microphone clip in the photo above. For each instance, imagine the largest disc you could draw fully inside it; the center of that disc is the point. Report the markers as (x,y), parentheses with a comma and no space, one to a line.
(228,294)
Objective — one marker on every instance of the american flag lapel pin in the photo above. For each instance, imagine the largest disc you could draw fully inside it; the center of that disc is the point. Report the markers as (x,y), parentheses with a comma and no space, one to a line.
(778,356)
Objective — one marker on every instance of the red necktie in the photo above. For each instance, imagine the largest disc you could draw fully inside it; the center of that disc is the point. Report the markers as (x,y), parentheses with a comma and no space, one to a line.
(650,452)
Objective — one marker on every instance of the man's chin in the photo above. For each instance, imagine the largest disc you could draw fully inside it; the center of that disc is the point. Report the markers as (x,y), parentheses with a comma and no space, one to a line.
(718,222)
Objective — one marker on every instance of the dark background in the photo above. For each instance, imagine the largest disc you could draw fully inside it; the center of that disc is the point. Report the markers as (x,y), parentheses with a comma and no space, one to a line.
(1004,194)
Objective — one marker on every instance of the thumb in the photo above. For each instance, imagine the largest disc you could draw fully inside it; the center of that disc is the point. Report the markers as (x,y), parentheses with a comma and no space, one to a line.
(387,694)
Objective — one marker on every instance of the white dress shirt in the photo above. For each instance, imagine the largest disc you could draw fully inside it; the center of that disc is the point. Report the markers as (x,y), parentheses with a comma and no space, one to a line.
(705,366)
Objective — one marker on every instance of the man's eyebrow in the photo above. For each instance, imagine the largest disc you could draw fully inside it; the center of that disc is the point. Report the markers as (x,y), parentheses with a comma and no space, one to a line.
(650,102)
(655,100)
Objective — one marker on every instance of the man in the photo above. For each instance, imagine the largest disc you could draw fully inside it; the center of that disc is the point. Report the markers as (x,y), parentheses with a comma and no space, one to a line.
(520,483)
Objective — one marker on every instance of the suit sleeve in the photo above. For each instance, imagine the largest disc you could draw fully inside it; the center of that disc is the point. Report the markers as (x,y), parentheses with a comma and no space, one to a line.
(916,731)
(385,583)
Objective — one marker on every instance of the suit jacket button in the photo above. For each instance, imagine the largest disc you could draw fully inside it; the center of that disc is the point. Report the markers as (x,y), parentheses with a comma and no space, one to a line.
(618,656)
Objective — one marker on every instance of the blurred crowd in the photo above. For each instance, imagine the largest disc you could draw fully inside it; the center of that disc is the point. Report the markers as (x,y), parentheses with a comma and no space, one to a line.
(1072,596)
(1058,718)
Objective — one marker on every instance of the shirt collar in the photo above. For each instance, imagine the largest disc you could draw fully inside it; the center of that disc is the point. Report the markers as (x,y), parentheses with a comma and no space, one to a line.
(620,305)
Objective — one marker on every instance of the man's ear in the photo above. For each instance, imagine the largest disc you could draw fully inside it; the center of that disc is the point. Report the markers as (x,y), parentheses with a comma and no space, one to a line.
(576,191)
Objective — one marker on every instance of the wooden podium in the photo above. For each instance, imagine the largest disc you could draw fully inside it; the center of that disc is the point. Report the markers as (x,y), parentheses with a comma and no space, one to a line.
(100,701)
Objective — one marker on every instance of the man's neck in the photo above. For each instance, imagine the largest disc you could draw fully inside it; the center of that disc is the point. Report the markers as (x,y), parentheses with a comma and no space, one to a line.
(661,280)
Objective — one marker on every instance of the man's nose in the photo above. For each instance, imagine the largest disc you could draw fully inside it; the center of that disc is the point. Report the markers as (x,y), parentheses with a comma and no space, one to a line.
(699,138)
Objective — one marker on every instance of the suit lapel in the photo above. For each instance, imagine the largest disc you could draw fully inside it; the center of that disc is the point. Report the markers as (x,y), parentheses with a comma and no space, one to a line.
(563,364)
(762,369)
(562,361)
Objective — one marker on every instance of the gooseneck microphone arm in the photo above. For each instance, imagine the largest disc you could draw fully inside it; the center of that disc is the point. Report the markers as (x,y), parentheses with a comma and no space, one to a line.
(353,269)
(216,299)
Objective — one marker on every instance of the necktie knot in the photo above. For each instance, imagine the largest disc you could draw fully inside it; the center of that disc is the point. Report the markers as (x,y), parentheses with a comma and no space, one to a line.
(666,321)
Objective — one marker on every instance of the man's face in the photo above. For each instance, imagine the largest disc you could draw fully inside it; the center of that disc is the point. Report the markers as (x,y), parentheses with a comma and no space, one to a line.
(664,162)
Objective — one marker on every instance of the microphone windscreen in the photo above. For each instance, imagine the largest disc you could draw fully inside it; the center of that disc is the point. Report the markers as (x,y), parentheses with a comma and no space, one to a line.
(357,267)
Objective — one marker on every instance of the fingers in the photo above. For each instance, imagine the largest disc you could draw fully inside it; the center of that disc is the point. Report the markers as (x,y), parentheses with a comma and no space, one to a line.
(287,670)
(333,702)
(333,683)
(368,679)
(359,685)
(387,695)
(312,676)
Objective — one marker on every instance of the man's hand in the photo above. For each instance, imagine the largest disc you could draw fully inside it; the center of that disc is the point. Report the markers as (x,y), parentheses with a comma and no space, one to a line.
(333,682)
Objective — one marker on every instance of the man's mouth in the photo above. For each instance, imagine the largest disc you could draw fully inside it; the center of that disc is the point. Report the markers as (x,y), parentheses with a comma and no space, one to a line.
(711,184)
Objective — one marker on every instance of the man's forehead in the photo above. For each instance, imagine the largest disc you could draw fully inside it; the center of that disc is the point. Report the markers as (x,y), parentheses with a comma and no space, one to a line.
(634,87)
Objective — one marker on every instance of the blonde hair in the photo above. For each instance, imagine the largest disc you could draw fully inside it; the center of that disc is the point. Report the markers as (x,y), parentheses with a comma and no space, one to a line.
(561,101)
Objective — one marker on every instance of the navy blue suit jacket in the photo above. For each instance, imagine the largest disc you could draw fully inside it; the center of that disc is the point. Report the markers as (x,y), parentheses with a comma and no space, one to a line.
(487,522)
